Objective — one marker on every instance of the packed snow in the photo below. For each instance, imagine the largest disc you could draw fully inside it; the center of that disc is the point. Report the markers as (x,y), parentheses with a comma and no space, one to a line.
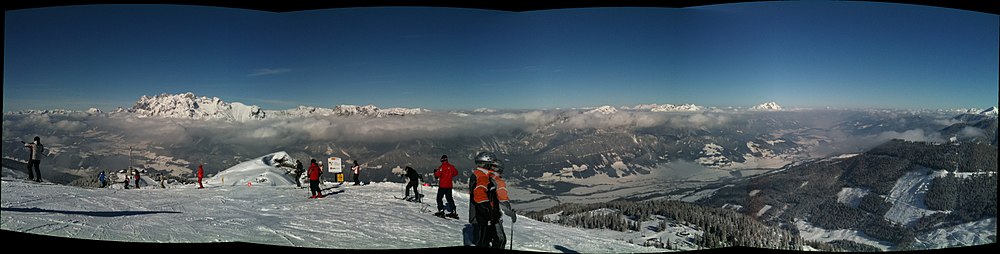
(350,217)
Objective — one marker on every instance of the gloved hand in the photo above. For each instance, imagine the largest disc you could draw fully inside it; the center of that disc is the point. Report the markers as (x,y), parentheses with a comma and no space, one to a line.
(513,218)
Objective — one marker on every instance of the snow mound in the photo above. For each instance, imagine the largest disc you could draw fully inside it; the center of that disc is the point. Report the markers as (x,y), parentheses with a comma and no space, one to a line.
(768,106)
(189,106)
(269,170)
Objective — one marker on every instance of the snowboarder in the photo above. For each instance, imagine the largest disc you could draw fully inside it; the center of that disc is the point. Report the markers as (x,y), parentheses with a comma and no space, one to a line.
(163,180)
(356,169)
(489,196)
(201,173)
(444,174)
(35,148)
(298,173)
(103,179)
(412,183)
(314,172)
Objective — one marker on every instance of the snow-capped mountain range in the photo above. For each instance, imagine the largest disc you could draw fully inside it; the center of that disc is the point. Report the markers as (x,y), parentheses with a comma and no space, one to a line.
(190,106)
(992,111)
(767,106)
(666,107)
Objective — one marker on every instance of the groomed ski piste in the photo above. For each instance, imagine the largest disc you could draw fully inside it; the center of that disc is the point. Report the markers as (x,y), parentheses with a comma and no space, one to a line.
(272,212)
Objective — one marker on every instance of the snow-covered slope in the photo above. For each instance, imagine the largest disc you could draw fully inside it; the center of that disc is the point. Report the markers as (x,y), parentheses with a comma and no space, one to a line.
(350,217)
(767,106)
(189,106)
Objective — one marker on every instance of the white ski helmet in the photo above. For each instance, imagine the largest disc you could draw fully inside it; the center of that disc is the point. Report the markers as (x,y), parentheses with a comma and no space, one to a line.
(485,160)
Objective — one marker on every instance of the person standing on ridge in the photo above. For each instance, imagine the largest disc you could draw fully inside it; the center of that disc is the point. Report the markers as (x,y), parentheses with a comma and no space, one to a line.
(201,174)
(35,148)
(444,174)
(314,173)
(414,180)
(298,173)
(356,169)
(488,193)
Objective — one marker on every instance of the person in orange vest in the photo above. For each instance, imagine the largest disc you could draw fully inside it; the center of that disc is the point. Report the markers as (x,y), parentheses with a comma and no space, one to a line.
(314,172)
(488,193)
(444,174)
(201,173)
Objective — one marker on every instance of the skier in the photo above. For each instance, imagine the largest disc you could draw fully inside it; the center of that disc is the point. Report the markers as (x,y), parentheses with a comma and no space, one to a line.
(103,179)
(127,178)
(444,174)
(489,196)
(201,173)
(298,173)
(314,173)
(163,180)
(414,180)
(36,148)
(137,178)
(356,169)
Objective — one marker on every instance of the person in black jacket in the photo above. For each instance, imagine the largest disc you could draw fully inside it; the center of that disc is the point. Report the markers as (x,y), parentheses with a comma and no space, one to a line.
(414,181)
(37,151)
(298,173)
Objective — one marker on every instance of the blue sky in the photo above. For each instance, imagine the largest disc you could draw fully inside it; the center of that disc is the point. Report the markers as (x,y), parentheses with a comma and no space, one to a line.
(800,54)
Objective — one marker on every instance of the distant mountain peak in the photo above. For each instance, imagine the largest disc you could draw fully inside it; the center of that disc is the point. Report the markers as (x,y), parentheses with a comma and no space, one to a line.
(667,107)
(992,111)
(767,106)
(189,106)
(603,110)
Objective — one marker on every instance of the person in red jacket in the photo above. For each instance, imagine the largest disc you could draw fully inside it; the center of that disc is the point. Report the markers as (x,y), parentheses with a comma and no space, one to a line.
(314,172)
(444,174)
(201,173)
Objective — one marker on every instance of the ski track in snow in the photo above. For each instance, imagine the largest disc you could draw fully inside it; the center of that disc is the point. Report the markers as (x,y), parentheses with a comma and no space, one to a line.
(359,217)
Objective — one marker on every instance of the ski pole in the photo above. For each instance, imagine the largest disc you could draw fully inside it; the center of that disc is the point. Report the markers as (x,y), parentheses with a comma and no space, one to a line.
(512,234)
